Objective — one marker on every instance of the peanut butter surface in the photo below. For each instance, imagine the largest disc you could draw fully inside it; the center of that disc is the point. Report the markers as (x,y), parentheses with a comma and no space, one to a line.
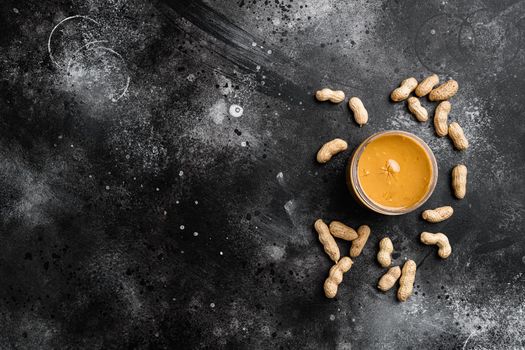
(394,170)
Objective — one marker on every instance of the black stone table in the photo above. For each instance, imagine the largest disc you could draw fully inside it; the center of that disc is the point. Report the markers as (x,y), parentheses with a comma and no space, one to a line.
(158,183)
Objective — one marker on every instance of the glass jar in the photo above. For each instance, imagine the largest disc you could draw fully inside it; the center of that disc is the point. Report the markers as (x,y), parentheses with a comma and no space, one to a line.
(355,186)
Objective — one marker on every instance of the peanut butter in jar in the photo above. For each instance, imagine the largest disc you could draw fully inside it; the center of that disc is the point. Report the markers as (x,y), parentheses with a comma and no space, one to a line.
(392,172)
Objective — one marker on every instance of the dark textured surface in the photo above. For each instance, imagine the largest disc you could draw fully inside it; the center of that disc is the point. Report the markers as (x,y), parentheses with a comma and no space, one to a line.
(149,217)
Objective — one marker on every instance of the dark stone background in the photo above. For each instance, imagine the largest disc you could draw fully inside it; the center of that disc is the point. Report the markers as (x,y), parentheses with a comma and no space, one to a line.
(157,220)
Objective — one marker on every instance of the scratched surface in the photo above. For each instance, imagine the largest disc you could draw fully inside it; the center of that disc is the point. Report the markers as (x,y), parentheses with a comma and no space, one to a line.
(158,184)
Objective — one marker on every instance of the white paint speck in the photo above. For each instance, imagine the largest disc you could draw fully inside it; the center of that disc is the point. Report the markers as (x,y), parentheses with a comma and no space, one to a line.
(290,207)
(157,189)
(195,234)
(275,253)
(280,178)
(236,111)
(196,202)
(254,44)
(107,187)
(243,143)
(221,253)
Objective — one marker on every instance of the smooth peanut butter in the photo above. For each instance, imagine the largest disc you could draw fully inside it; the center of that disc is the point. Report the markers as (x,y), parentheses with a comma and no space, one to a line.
(394,171)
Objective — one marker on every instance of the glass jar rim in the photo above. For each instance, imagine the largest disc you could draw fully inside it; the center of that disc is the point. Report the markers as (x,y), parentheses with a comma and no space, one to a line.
(367,201)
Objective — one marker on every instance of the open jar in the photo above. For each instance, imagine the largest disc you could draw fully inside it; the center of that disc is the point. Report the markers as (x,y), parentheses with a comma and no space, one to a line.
(392,172)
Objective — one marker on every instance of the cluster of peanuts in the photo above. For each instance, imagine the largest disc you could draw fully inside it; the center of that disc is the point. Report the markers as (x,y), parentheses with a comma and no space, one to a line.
(407,274)
(335,146)
(338,96)
(441,94)
(327,234)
